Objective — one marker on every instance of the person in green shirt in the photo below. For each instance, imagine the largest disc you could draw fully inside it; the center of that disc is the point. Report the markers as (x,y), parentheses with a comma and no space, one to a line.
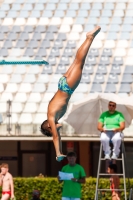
(72,188)
(111,124)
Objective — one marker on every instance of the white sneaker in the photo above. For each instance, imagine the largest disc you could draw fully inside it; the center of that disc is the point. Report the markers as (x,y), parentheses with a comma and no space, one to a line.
(114,157)
(107,157)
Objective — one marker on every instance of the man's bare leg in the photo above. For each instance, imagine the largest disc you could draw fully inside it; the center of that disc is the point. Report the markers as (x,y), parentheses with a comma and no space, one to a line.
(5,197)
(75,71)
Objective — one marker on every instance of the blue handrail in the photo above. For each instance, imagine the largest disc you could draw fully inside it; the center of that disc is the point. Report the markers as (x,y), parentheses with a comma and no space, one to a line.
(23,62)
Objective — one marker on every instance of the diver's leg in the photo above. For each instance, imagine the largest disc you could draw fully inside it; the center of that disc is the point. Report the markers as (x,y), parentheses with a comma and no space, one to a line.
(75,71)
(60,156)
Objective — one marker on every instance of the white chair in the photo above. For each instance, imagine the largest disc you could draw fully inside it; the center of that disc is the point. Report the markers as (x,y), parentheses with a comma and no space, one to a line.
(129,13)
(73,36)
(7,69)
(20,97)
(34,97)
(79,1)
(16,7)
(55,78)
(30,108)
(100,36)
(76,97)
(25,87)
(20,69)
(109,44)
(14,118)
(82,88)
(122,95)
(122,44)
(39,87)
(20,21)
(130,5)
(74,6)
(28,6)
(25,118)
(130,52)
(50,6)
(1,87)
(39,118)
(6,96)
(52,87)
(124,1)
(9,1)
(39,6)
(1,119)
(16,107)
(16,78)
(34,69)
(77,28)
(62,6)
(16,52)
(120,52)
(43,78)
(97,44)
(11,88)
(128,60)
(111,1)
(29,78)
(5,7)
(4,78)
(43,107)
(32,21)
(120,6)
(118,13)
(3,107)
(64,28)
(48,96)
(67,20)
(43,21)
(8,22)
(55,21)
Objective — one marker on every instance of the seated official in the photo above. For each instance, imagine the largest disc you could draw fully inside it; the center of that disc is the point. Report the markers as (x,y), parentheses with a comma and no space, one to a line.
(111,124)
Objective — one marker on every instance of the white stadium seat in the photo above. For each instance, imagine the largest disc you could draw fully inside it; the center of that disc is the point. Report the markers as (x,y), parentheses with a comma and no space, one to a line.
(30,108)
(48,96)
(8,22)
(43,107)
(43,21)
(16,107)
(25,87)
(34,97)
(4,78)
(11,87)
(14,118)
(25,118)
(39,118)
(6,96)
(20,21)
(20,97)
(3,107)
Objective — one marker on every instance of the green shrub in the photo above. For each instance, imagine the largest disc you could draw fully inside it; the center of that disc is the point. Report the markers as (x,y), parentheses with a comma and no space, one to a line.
(51,189)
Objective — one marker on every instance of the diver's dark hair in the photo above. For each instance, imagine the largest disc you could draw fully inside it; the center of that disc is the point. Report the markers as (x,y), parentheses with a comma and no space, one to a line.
(114,167)
(71,154)
(44,129)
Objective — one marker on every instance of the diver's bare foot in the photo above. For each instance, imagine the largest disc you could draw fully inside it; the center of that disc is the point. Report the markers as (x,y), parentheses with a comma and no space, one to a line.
(94,32)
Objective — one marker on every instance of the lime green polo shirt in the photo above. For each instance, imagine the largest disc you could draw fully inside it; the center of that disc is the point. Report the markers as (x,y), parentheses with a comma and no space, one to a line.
(70,188)
(111,120)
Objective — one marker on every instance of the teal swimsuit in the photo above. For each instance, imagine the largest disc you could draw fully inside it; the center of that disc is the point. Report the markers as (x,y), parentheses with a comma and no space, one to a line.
(63,85)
